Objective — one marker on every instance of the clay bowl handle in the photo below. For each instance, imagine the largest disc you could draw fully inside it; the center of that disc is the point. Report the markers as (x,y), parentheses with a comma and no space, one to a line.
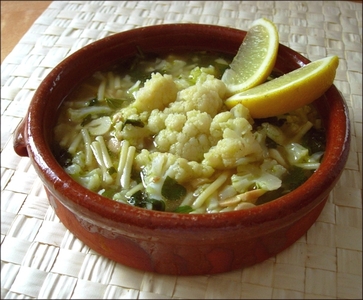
(19,141)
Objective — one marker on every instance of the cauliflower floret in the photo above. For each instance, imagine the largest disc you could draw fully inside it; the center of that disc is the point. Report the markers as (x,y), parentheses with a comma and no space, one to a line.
(201,74)
(163,175)
(230,152)
(156,166)
(204,96)
(181,127)
(266,176)
(220,121)
(175,121)
(191,148)
(157,93)
(156,121)
(235,140)
(91,180)
(165,139)
(185,135)
(192,170)
(130,112)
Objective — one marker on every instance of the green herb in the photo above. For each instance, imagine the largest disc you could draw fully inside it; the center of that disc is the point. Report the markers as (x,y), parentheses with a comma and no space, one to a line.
(183,209)
(139,199)
(111,170)
(295,177)
(157,204)
(136,123)
(86,120)
(64,158)
(314,140)
(136,199)
(172,190)
(270,143)
(115,103)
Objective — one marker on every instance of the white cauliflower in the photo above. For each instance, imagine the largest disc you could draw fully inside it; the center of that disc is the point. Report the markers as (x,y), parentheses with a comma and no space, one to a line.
(236,142)
(156,121)
(205,96)
(266,176)
(130,113)
(192,128)
(157,93)
(157,166)
(183,128)
(185,135)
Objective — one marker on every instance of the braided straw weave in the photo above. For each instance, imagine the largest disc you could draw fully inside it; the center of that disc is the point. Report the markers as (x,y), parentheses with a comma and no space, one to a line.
(40,258)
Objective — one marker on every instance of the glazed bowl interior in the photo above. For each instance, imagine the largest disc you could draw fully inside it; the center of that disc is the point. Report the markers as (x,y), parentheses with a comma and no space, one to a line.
(43,114)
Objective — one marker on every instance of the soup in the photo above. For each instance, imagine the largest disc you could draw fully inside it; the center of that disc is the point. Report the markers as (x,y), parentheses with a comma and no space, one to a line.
(155,133)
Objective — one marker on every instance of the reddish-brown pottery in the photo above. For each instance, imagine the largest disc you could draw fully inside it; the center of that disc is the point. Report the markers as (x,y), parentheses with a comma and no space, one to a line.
(171,243)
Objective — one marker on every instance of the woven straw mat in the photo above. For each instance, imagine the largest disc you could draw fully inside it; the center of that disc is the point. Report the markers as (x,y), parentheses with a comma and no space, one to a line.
(40,258)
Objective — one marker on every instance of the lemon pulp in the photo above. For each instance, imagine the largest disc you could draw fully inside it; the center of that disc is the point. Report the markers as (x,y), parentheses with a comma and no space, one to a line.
(290,91)
(255,58)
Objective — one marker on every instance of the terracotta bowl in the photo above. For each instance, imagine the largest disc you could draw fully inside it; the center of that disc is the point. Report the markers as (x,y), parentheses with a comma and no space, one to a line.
(165,242)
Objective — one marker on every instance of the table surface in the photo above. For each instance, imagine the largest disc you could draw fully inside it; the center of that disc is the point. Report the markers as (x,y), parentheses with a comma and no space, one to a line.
(40,258)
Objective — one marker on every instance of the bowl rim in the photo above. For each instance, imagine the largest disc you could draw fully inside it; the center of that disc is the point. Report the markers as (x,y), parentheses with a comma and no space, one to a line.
(56,179)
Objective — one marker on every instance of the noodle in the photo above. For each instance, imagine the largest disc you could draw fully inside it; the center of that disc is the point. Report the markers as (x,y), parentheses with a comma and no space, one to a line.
(73,147)
(106,157)
(87,143)
(101,90)
(210,190)
(122,161)
(126,174)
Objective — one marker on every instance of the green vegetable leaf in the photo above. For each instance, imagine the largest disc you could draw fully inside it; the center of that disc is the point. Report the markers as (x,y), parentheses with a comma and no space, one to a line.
(270,143)
(183,209)
(111,170)
(172,190)
(86,120)
(157,204)
(136,123)
(139,199)
(314,140)
(115,103)
(295,177)
(64,158)
(136,199)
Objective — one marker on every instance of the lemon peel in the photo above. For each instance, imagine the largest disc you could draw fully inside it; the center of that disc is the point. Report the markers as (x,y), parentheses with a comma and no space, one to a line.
(289,91)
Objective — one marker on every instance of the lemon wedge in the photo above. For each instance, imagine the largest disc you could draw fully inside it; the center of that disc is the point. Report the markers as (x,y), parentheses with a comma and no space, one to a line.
(255,58)
(290,91)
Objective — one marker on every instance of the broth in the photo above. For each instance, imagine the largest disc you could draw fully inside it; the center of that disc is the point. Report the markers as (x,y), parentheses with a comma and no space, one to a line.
(154,133)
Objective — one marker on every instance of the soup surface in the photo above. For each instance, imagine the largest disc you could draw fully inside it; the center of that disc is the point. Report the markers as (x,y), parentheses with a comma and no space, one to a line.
(154,133)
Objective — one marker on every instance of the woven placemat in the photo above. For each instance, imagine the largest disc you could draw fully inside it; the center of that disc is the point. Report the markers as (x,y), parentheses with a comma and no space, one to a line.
(40,258)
